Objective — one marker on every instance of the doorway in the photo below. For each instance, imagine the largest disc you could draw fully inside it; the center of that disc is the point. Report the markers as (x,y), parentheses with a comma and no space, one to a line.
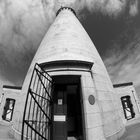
(68,121)
(128,107)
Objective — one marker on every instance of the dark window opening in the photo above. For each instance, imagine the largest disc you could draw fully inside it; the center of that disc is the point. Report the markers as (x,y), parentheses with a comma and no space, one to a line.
(8,109)
(67,109)
(127,107)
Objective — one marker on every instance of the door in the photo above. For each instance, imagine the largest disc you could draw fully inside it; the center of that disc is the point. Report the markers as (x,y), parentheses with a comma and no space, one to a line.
(128,107)
(67,109)
(60,113)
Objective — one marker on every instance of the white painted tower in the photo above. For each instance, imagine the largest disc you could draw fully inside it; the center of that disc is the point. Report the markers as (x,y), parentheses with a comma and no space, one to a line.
(79,79)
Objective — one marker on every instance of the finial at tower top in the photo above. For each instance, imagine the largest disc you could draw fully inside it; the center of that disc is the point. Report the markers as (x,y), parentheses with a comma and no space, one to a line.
(67,8)
(65,5)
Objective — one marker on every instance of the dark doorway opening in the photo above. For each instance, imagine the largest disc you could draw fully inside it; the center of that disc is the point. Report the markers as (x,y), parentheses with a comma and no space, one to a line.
(127,107)
(67,109)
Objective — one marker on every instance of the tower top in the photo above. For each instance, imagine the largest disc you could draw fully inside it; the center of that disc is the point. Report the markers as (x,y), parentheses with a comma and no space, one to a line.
(66,40)
(65,8)
(65,5)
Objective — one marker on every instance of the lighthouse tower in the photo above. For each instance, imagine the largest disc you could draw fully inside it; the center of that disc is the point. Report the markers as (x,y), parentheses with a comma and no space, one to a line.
(67,93)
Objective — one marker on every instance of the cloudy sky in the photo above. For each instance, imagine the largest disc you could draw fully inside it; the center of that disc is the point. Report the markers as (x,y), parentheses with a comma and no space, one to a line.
(113,25)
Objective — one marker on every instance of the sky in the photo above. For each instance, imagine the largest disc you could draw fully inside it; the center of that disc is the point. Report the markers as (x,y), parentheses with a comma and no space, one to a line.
(113,25)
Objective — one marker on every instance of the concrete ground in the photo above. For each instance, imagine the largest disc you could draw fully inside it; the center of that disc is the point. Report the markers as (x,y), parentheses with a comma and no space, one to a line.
(4,135)
(132,130)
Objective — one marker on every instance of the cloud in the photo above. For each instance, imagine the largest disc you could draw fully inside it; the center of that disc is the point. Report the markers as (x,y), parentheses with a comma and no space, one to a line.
(23,23)
(133,8)
(107,7)
(112,7)
(123,64)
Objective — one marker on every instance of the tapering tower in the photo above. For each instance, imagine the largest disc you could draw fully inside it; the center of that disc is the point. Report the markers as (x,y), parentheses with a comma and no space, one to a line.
(67,92)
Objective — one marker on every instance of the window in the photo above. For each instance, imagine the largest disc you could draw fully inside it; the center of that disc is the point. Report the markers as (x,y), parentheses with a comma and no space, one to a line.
(128,107)
(8,109)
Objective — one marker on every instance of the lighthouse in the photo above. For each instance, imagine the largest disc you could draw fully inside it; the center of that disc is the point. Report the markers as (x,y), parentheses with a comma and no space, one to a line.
(67,93)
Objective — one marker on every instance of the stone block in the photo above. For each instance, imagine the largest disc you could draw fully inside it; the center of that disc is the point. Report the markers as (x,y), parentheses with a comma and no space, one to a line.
(106,105)
(95,133)
(88,91)
(104,95)
(94,120)
(87,82)
(110,129)
(88,108)
(103,86)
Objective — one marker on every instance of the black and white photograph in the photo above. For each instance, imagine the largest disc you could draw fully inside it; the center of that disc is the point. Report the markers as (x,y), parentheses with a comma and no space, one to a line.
(69,70)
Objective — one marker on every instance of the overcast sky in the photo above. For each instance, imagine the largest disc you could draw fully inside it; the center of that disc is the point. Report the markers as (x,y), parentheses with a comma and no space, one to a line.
(118,42)
(113,25)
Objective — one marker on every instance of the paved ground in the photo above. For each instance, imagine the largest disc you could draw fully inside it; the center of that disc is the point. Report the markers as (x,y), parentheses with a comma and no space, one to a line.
(132,130)
(4,135)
